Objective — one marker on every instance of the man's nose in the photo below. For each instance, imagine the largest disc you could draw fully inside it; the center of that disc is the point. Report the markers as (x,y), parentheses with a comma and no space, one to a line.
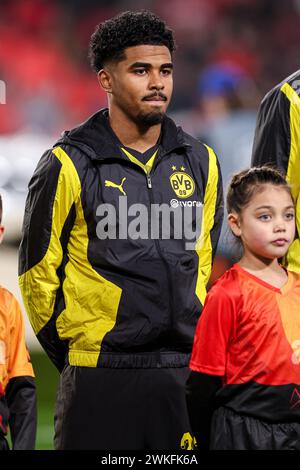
(155,81)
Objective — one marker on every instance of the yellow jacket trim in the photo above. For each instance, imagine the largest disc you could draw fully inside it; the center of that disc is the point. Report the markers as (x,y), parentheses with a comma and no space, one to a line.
(87,318)
(147,167)
(203,245)
(39,284)
(293,170)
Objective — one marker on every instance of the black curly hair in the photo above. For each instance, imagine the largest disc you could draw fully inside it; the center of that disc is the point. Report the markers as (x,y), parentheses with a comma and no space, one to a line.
(128,29)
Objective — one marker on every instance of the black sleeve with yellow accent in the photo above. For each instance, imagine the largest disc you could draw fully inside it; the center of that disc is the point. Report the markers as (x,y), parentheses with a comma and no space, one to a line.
(277,141)
(212,218)
(48,220)
(219,213)
(201,390)
(272,138)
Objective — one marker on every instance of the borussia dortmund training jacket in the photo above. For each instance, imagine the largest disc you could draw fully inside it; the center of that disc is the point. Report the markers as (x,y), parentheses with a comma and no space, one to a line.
(107,272)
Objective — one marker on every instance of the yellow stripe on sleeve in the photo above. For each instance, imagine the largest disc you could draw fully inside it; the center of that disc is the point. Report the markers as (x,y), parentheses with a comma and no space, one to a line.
(293,170)
(40,283)
(91,301)
(203,245)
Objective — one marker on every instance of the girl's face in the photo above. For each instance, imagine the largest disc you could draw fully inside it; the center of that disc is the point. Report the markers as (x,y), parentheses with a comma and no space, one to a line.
(266,225)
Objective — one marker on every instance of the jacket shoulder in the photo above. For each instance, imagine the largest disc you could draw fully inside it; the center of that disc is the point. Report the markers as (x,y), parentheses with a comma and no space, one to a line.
(293,80)
(275,94)
(78,154)
(202,156)
(197,146)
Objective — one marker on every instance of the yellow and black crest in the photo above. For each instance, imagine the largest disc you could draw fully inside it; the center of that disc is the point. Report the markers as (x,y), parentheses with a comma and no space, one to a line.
(183,184)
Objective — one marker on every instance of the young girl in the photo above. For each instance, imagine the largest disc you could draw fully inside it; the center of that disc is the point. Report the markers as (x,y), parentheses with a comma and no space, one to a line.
(244,388)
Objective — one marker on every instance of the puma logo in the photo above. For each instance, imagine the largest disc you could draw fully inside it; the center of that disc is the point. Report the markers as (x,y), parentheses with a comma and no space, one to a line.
(114,185)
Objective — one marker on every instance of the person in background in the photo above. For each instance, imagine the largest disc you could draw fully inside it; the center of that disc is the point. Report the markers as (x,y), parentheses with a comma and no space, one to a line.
(243,392)
(18,411)
(277,142)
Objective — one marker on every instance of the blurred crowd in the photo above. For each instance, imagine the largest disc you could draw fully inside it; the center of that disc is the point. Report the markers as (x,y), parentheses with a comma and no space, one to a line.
(230,52)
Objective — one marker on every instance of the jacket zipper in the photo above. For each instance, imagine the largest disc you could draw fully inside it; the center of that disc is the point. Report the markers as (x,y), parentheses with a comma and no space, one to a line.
(158,248)
(149,182)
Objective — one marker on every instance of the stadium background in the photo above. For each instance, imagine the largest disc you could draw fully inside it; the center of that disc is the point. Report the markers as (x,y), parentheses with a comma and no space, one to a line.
(230,53)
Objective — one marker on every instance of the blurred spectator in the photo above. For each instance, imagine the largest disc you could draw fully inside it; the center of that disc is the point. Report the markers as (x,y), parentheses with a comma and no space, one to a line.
(230,43)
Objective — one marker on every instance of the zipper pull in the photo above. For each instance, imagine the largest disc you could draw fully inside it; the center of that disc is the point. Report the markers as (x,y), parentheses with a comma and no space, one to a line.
(149,182)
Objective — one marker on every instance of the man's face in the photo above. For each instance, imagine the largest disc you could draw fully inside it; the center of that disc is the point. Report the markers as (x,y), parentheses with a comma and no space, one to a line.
(142,83)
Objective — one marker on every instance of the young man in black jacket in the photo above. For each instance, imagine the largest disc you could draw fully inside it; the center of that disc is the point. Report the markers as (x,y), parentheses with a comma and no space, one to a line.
(121,225)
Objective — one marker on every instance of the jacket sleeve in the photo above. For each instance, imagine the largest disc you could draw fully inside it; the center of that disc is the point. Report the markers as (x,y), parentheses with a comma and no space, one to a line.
(48,221)
(212,218)
(272,137)
(201,390)
(20,392)
(21,401)
(219,213)
(277,141)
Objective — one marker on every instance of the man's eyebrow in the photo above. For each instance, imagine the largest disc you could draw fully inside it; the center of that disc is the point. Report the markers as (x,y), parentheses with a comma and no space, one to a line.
(146,65)
(168,65)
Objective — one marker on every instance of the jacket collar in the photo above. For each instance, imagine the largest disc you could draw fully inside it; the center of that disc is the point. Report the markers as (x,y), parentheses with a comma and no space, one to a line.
(96,138)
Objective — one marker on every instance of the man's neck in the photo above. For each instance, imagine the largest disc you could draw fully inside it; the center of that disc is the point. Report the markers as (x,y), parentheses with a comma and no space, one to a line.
(131,135)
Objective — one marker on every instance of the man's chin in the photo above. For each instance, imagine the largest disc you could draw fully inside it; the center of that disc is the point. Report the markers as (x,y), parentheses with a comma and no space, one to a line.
(151,118)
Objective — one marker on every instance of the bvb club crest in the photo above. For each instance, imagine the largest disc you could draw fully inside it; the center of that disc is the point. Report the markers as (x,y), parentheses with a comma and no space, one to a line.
(183,184)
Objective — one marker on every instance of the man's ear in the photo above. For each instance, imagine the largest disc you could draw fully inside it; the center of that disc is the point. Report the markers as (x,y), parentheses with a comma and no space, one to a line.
(233,220)
(105,80)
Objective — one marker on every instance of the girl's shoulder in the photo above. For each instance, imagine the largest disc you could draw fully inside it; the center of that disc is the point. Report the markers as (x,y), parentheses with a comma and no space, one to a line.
(230,276)
(294,279)
(228,284)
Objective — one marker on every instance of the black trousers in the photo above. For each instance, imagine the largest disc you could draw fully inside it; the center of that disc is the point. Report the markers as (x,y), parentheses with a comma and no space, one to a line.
(122,409)
(232,431)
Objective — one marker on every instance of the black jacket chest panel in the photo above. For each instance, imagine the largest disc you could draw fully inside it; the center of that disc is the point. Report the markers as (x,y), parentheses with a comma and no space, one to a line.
(122,293)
